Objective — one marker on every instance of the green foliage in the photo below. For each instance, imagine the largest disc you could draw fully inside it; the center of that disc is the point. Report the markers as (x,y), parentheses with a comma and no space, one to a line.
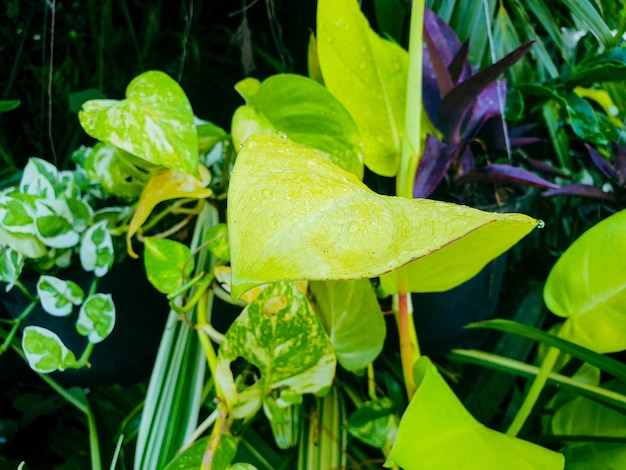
(168,263)
(45,351)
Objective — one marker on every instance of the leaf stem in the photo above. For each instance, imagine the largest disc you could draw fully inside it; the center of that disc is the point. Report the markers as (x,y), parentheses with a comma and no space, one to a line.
(16,325)
(409,348)
(209,351)
(534,391)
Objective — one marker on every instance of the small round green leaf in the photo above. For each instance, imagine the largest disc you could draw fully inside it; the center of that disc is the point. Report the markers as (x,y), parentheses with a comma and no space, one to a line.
(96,318)
(45,351)
(167,263)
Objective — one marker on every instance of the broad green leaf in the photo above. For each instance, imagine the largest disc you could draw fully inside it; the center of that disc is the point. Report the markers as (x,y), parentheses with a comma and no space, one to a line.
(368,75)
(351,315)
(585,417)
(193,456)
(155,122)
(96,318)
(217,242)
(11,264)
(116,174)
(309,115)
(8,105)
(45,351)
(436,431)
(587,286)
(96,249)
(57,296)
(298,216)
(375,423)
(280,334)
(209,135)
(163,186)
(583,119)
(167,263)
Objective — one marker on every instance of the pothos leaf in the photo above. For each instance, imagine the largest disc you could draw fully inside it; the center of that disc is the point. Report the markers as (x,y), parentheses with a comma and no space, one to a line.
(436,421)
(155,122)
(165,185)
(96,318)
(11,264)
(57,296)
(281,335)
(368,75)
(45,351)
(167,263)
(587,286)
(96,249)
(298,216)
(350,312)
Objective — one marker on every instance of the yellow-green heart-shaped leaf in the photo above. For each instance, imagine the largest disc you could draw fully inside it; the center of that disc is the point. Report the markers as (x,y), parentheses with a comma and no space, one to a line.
(155,122)
(294,215)
(368,75)
(306,112)
(437,432)
(165,185)
(587,286)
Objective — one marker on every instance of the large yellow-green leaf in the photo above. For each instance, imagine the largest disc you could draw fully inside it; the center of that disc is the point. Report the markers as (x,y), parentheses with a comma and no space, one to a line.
(587,286)
(306,112)
(294,215)
(155,122)
(280,334)
(437,432)
(368,76)
(350,312)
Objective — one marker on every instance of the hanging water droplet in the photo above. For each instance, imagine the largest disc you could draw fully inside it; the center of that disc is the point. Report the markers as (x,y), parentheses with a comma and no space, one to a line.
(240,146)
(540,224)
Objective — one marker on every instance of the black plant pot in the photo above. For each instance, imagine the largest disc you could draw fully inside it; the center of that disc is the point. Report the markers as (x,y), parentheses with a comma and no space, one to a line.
(440,316)
(128,353)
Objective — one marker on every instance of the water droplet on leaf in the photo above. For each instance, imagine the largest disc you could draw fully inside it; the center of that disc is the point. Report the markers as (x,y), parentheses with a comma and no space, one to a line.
(540,224)
(282,135)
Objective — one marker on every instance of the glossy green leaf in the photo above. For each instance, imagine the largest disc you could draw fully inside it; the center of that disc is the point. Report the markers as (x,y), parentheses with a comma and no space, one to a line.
(45,351)
(375,423)
(209,135)
(96,250)
(298,216)
(308,114)
(281,335)
(106,164)
(351,315)
(96,318)
(167,263)
(11,264)
(8,105)
(436,431)
(587,286)
(163,186)
(583,119)
(193,456)
(57,296)
(368,75)
(155,122)
(584,417)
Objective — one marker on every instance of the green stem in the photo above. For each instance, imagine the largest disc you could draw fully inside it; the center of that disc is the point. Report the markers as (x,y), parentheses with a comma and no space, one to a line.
(16,325)
(409,348)
(209,351)
(411,141)
(94,445)
(534,391)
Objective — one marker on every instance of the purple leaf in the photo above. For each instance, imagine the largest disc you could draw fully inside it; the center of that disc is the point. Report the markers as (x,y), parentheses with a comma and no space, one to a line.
(499,173)
(583,190)
(619,162)
(492,136)
(433,166)
(487,106)
(543,167)
(460,68)
(439,66)
(603,165)
(456,105)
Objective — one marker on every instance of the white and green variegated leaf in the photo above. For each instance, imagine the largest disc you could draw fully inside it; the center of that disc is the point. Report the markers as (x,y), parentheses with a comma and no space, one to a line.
(27,245)
(280,334)
(16,216)
(59,222)
(155,122)
(117,176)
(350,312)
(96,318)
(45,351)
(167,263)
(57,296)
(11,264)
(39,178)
(96,249)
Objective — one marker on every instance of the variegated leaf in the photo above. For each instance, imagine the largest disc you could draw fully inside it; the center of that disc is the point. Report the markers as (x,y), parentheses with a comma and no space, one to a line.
(57,296)
(96,318)
(45,351)
(96,249)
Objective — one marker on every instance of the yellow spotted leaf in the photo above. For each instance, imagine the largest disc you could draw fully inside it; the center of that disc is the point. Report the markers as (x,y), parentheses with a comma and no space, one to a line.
(163,186)
(294,215)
